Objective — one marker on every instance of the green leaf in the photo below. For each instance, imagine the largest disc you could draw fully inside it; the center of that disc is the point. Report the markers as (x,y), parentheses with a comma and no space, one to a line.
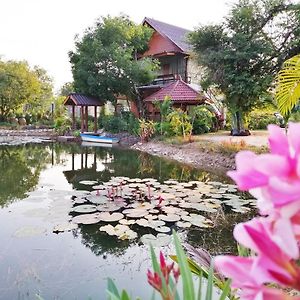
(186,274)
(112,296)
(125,296)
(209,284)
(112,287)
(199,296)
(287,92)
(226,290)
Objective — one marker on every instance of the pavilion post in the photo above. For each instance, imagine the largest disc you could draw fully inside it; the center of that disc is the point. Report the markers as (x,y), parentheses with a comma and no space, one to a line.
(95,119)
(86,118)
(73,118)
(82,118)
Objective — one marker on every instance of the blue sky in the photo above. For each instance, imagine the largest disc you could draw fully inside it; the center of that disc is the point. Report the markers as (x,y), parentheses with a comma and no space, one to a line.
(42,31)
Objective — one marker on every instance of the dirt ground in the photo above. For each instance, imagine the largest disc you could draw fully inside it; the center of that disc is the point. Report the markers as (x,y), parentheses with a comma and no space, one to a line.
(257,138)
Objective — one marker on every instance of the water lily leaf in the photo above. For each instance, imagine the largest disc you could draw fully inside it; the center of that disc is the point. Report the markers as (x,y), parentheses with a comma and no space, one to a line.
(109,206)
(127,222)
(87,219)
(163,229)
(107,217)
(160,240)
(183,224)
(135,212)
(97,199)
(88,182)
(85,208)
(169,218)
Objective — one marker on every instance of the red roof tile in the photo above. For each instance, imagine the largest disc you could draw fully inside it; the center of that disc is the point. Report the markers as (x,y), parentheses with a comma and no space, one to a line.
(178,91)
(176,34)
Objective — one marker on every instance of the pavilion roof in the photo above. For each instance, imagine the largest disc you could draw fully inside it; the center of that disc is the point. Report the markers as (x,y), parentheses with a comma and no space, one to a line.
(82,100)
(179,92)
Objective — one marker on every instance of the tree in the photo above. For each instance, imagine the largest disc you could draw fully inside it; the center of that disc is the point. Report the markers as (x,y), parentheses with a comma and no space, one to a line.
(105,63)
(19,85)
(242,55)
(66,89)
(165,108)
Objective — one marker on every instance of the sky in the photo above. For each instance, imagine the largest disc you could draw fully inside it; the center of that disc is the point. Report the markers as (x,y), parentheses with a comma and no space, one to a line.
(42,31)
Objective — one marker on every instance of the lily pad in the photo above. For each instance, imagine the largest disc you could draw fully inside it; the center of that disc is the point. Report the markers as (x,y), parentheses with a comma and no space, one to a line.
(109,206)
(183,224)
(160,240)
(127,222)
(107,217)
(163,229)
(87,219)
(88,182)
(85,208)
(169,218)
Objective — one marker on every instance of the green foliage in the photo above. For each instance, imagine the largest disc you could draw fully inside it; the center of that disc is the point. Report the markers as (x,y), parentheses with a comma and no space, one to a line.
(165,129)
(241,55)
(19,85)
(287,91)
(66,89)
(202,119)
(191,289)
(260,119)
(126,121)
(147,129)
(62,125)
(105,63)
(180,122)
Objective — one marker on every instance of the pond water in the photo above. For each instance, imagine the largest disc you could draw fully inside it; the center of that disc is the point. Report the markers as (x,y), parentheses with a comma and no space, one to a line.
(40,185)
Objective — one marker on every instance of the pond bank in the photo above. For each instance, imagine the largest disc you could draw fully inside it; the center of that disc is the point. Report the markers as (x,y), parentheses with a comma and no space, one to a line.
(190,154)
(21,137)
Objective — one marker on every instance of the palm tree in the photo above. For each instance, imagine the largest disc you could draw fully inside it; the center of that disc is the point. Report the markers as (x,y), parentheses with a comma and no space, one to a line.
(287,92)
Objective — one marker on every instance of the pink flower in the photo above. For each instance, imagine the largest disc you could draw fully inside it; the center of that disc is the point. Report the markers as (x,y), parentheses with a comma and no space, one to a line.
(276,248)
(248,278)
(274,177)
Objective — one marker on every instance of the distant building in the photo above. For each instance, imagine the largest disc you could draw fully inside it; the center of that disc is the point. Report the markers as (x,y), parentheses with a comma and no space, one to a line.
(179,74)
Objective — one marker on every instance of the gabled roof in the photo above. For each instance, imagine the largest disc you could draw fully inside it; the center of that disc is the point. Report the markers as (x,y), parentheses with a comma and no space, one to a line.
(178,91)
(82,100)
(176,34)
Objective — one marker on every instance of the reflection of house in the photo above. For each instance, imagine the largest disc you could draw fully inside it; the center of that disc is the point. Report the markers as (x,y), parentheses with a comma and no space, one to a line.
(178,75)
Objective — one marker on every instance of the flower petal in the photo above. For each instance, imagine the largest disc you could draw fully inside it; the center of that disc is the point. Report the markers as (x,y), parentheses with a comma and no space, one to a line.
(278,141)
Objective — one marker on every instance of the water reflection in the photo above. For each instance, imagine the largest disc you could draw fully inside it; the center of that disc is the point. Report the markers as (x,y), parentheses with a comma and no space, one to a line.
(20,170)
(74,265)
(101,164)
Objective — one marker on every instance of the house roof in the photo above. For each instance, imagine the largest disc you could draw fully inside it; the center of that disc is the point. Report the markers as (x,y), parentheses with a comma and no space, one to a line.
(82,100)
(179,92)
(176,34)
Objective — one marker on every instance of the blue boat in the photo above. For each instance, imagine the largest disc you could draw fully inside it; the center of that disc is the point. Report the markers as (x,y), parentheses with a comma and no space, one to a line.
(94,138)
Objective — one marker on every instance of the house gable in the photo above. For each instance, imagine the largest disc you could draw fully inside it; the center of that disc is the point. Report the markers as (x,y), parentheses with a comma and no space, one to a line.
(160,45)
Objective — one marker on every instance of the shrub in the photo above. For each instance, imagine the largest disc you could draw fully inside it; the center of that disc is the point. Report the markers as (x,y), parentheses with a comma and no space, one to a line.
(180,122)
(165,128)
(202,119)
(260,119)
(147,129)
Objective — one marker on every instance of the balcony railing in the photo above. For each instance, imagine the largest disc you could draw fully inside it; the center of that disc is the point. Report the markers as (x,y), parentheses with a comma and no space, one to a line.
(167,78)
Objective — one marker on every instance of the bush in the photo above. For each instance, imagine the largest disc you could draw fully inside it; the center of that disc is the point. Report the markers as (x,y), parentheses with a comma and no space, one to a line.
(165,128)
(62,125)
(126,121)
(260,119)
(204,120)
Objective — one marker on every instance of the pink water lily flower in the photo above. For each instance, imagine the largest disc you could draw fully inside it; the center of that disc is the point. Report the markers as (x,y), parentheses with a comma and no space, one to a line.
(273,177)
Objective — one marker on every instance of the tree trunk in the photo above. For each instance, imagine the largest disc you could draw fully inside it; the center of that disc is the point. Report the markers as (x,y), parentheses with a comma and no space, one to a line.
(238,128)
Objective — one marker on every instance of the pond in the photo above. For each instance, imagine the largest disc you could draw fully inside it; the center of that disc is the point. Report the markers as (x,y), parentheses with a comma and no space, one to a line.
(49,194)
